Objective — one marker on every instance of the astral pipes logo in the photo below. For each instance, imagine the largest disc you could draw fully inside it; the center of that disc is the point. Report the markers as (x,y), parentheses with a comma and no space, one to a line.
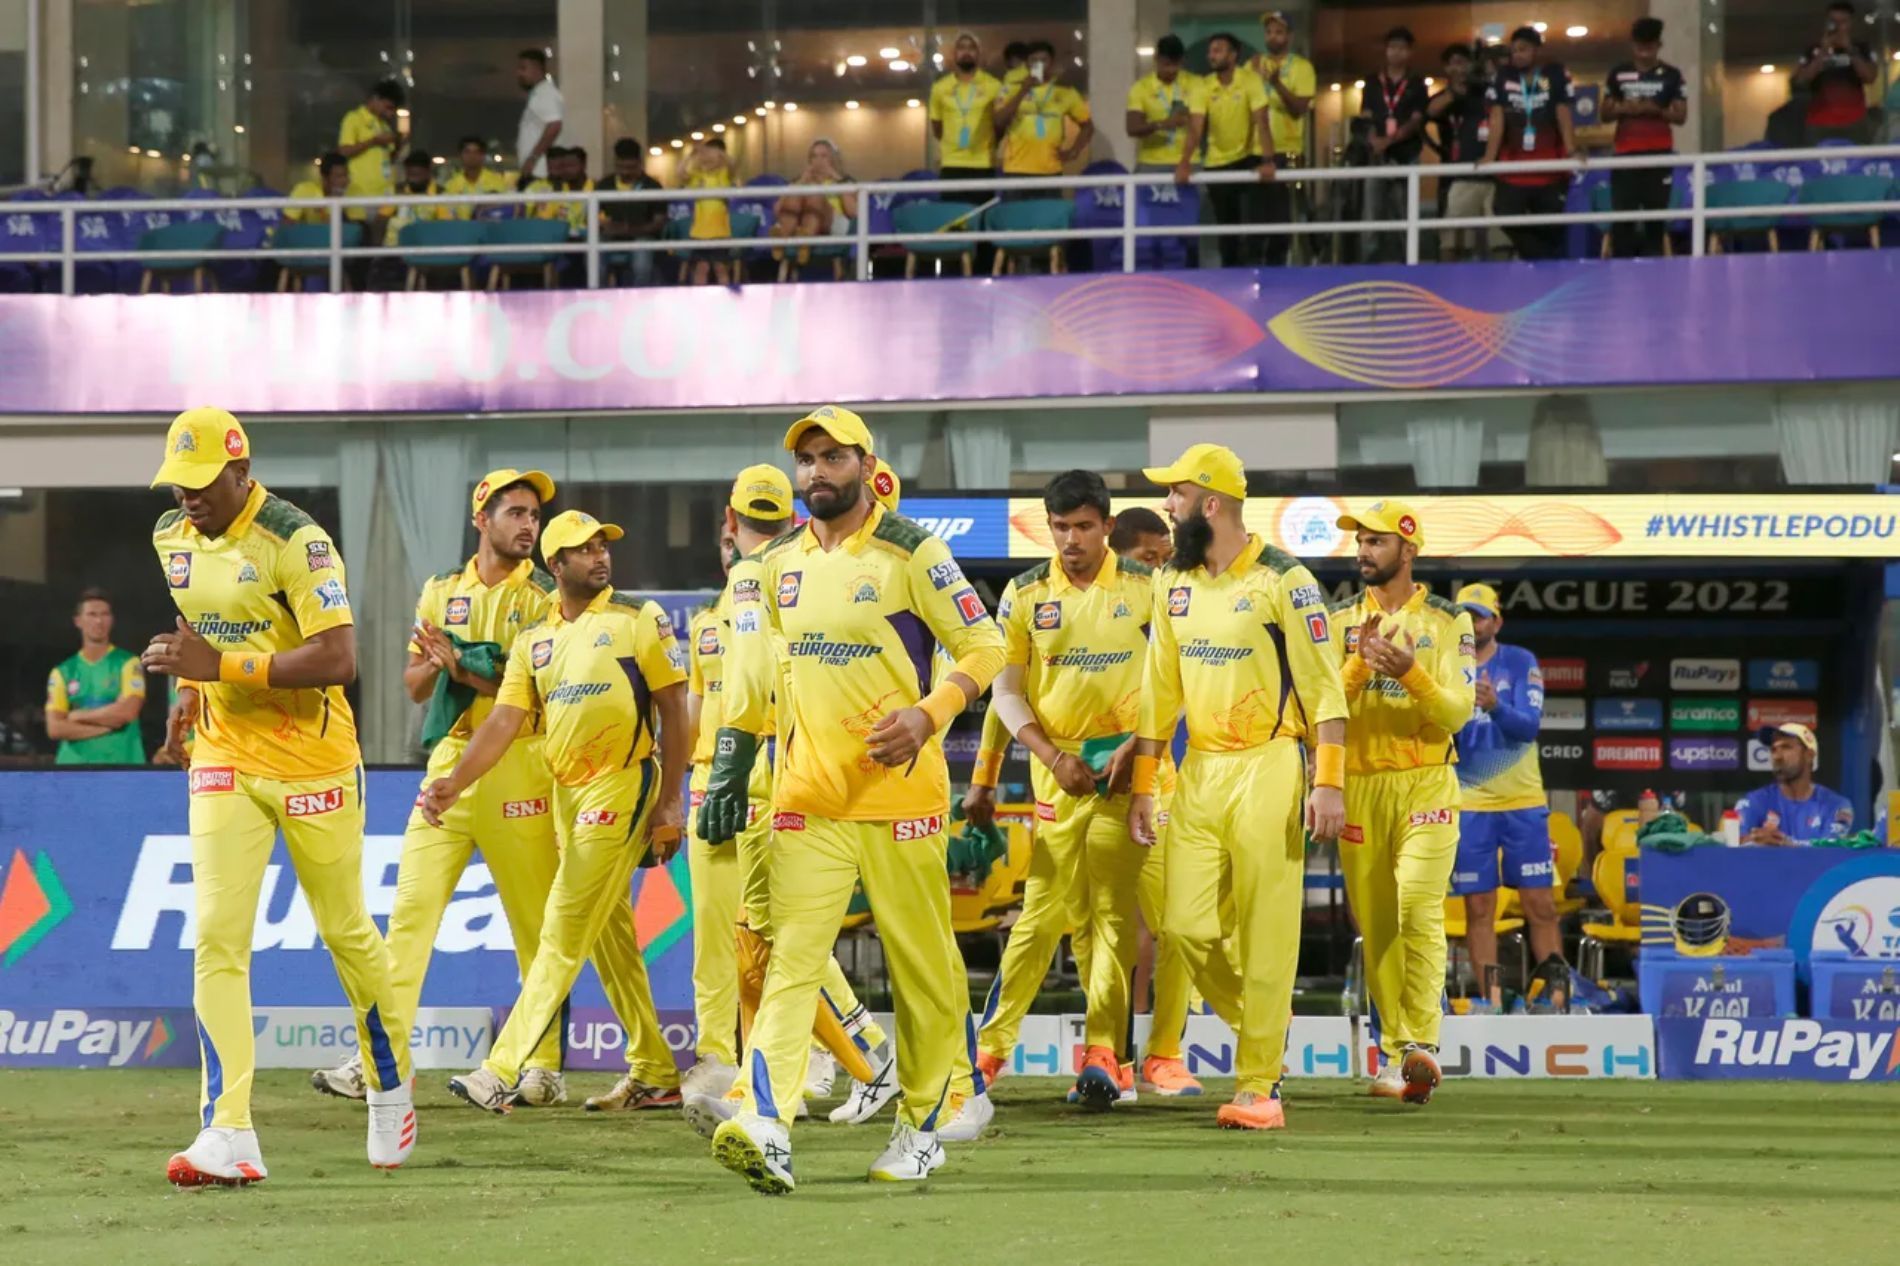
(32,903)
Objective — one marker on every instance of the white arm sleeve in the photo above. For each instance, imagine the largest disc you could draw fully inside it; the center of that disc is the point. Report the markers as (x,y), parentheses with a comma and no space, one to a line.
(1011,705)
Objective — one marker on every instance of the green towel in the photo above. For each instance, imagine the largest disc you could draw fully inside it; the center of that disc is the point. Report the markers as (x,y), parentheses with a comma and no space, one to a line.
(975,849)
(452,699)
(1861,839)
(1670,833)
(1096,753)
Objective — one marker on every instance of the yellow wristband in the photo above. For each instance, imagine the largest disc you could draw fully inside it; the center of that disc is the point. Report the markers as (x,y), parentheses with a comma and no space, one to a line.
(1142,778)
(944,703)
(1329,766)
(988,769)
(244,668)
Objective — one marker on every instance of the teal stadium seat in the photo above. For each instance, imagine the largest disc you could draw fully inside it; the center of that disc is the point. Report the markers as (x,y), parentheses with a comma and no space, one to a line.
(182,235)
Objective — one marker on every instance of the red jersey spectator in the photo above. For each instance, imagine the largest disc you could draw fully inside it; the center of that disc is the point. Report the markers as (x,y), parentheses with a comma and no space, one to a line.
(1531,122)
(1644,98)
(1835,74)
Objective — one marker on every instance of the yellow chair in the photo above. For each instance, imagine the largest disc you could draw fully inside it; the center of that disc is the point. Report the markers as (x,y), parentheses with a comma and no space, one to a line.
(1569,855)
(1619,831)
(1504,925)
(1625,924)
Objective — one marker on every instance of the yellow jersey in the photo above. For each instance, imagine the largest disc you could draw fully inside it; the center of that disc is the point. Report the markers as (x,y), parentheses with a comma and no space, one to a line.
(1230,108)
(486,181)
(1155,101)
(1410,722)
(407,213)
(575,213)
(271,583)
(1036,133)
(966,110)
(1247,653)
(458,603)
(593,679)
(858,625)
(1296,73)
(319,215)
(370,170)
(712,217)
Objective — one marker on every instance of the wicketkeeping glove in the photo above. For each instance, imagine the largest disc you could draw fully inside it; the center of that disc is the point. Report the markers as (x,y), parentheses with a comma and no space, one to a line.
(722,813)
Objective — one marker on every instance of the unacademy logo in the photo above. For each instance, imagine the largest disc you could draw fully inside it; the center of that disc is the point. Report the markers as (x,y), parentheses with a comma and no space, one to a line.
(32,903)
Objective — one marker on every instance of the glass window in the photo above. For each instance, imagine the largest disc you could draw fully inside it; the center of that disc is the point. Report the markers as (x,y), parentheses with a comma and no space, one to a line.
(13,54)
(1764,44)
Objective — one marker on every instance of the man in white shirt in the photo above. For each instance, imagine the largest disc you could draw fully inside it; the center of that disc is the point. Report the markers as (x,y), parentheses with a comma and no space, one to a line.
(540,118)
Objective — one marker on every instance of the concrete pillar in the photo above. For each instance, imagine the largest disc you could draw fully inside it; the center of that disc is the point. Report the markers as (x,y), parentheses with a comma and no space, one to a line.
(55,85)
(1692,42)
(1112,32)
(626,67)
(581,71)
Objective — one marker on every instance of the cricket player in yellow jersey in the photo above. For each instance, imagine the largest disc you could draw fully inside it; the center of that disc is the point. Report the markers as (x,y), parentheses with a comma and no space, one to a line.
(1241,642)
(263,648)
(465,621)
(1410,670)
(857,595)
(604,672)
(1075,631)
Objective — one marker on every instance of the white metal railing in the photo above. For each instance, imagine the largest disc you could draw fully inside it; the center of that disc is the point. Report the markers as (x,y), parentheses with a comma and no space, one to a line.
(592,246)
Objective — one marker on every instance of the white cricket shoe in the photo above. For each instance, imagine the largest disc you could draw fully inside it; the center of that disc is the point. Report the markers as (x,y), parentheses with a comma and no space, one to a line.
(710,1076)
(821,1072)
(541,1088)
(345,1081)
(867,1098)
(483,1089)
(706,1113)
(909,1157)
(1390,1083)
(757,1149)
(964,1119)
(218,1158)
(392,1125)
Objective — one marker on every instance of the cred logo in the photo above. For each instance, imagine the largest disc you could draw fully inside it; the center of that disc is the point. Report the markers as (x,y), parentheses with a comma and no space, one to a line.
(1434,817)
(213,778)
(921,828)
(311,803)
(524,808)
(788,821)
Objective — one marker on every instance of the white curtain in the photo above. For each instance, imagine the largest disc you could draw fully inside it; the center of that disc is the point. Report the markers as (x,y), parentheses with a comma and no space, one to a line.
(980,451)
(1836,435)
(427,473)
(1446,450)
(1566,449)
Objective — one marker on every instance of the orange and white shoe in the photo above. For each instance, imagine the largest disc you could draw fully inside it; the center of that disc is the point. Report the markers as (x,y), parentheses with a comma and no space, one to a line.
(392,1126)
(1169,1078)
(1390,1081)
(991,1066)
(218,1158)
(1125,1078)
(1250,1111)
(1098,1087)
(1419,1069)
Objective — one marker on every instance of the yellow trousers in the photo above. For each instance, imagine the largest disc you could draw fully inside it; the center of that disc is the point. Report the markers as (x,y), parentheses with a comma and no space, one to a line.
(235,819)
(1397,852)
(815,864)
(509,815)
(1236,827)
(714,869)
(602,828)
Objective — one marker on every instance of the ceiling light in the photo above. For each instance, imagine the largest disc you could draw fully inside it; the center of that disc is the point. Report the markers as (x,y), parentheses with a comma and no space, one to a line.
(1540,27)
(856,59)
(1767,70)
(888,53)
(914,103)
(719,127)
(1146,50)
(239,129)
(679,144)
(791,105)
(770,105)
(839,70)
(760,112)
(1335,87)
(1428,81)
(699,136)
(1360,84)
(900,65)
(739,119)
(850,105)
(656,151)
(1576,32)
(135,150)
(151,153)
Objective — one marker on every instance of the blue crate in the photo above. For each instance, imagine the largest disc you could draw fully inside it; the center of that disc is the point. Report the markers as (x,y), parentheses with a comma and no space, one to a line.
(1848,988)
(1758,986)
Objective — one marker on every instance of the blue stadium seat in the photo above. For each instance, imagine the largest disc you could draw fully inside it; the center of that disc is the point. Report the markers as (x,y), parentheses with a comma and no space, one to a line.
(1829,228)
(1746,193)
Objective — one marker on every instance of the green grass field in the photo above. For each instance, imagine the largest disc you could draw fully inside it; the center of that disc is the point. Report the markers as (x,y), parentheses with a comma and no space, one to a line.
(1616,1173)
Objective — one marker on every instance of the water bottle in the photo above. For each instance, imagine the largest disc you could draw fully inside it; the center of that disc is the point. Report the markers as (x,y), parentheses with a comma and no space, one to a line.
(1731,828)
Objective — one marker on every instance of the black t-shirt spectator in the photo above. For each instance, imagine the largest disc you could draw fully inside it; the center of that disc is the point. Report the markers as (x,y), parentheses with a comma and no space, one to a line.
(632,219)
(1530,99)
(1464,126)
(1391,104)
(1660,86)
(1838,99)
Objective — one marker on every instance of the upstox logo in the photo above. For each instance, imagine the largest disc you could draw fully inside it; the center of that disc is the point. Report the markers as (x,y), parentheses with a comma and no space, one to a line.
(32,903)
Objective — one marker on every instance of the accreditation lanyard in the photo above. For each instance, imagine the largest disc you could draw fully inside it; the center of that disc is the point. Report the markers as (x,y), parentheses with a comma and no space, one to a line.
(1392,100)
(1531,87)
(1037,105)
(964,96)
(1169,96)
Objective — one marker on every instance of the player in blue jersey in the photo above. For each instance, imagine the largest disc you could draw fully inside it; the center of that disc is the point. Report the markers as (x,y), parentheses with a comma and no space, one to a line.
(1794,809)
(1505,810)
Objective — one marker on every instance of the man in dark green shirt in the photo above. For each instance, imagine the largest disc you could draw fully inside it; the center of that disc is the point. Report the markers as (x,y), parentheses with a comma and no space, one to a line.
(93,700)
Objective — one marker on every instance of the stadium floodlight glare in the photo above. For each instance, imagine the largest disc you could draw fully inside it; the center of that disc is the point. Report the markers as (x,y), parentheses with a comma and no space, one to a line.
(856,59)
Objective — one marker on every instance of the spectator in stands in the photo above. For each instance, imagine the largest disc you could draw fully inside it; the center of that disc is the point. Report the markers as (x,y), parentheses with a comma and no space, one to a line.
(474,175)
(93,700)
(710,167)
(1394,108)
(1463,124)
(1140,534)
(631,221)
(540,117)
(1291,85)
(368,138)
(963,114)
(1230,110)
(570,176)
(333,181)
(1015,64)
(1794,809)
(813,215)
(418,180)
(1034,117)
(1530,121)
(1835,74)
(1644,98)
(1158,113)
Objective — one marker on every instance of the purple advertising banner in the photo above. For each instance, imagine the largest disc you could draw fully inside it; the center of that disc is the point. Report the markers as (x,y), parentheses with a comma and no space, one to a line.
(1742,318)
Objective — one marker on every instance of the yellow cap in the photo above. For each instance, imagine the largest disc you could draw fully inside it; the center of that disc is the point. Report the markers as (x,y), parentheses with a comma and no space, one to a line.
(762,492)
(1208,466)
(1389,515)
(573,527)
(834,420)
(887,487)
(1794,730)
(1479,600)
(198,445)
(495,480)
